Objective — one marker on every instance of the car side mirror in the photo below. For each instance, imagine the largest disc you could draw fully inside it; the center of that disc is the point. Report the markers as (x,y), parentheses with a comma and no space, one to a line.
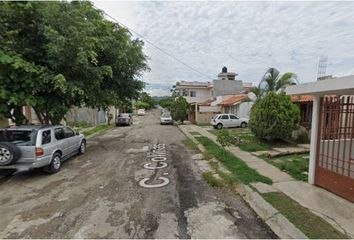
(77,133)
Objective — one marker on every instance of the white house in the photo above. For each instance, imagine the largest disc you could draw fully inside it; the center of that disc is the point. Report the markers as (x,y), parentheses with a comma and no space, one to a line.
(194,92)
(204,97)
(331,164)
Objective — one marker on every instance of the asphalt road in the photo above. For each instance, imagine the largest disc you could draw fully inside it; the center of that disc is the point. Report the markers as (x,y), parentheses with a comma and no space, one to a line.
(98,195)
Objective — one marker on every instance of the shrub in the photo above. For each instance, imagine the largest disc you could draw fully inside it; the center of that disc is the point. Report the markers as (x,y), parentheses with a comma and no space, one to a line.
(179,109)
(274,117)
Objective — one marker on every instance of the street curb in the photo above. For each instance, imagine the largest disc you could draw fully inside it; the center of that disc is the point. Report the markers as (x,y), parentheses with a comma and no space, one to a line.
(272,217)
(199,145)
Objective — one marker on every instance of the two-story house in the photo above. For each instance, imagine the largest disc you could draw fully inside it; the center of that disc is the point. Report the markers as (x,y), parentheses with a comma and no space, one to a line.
(205,97)
(194,92)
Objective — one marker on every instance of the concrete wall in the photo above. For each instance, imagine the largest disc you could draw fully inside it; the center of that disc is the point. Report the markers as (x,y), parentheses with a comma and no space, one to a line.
(245,109)
(88,115)
(204,117)
(226,87)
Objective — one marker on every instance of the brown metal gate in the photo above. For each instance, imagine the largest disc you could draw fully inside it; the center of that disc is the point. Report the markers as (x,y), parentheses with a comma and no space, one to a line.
(335,153)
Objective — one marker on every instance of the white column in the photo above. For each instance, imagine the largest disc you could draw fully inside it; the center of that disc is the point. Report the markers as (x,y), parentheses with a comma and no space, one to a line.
(314,132)
(196,112)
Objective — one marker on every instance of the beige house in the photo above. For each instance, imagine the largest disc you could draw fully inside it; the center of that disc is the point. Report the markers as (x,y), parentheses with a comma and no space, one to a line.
(194,92)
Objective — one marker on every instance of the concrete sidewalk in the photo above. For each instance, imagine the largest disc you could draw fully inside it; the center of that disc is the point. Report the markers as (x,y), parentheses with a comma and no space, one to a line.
(335,210)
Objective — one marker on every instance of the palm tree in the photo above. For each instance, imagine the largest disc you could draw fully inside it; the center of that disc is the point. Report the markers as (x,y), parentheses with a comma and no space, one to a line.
(273,81)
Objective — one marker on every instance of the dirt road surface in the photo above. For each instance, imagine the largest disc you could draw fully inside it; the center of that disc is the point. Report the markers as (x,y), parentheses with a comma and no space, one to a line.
(98,195)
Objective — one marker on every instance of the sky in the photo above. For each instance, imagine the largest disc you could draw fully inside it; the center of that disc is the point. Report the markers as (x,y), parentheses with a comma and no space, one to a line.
(246,37)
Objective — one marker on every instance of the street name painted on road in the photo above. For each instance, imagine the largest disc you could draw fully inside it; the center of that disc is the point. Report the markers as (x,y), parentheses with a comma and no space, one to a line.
(158,156)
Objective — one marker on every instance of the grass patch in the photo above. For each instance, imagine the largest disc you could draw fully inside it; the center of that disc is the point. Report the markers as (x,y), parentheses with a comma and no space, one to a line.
(250,143)
(98,128)
(190,144)
(79,124)
(239,169)
(295,165)
(311,225)
(211,180)
(207,156)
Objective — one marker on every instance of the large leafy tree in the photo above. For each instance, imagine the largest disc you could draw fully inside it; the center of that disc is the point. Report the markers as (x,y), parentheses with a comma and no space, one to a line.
(55,55)
(273,81)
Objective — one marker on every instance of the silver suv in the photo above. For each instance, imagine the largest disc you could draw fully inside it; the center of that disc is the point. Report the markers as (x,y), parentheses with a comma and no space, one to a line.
(23,148)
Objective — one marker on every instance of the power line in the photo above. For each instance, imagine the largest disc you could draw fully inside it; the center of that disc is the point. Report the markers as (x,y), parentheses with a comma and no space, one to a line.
(154,45)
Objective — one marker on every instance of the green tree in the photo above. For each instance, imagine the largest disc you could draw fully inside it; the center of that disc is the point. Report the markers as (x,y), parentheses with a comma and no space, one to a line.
(62,54)
(273,81)
(141,105)
(147,99)
(179,109)
(166,103)
(274,117)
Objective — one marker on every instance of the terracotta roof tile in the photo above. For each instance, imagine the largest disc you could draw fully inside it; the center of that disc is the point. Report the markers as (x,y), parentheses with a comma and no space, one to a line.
(233,100)
(302,98)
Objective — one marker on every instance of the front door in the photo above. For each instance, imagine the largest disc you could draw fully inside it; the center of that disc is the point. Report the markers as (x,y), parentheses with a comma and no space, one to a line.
(335,146)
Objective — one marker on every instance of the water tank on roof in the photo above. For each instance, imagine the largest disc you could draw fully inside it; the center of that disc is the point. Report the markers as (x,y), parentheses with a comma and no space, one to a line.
(224,70)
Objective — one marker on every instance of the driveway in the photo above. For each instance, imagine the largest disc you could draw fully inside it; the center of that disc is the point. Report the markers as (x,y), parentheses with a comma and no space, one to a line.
(98,195)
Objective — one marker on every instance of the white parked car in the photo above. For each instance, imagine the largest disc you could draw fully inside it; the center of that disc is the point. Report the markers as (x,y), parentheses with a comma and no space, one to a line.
(141,112)
(166,119)
(220,121)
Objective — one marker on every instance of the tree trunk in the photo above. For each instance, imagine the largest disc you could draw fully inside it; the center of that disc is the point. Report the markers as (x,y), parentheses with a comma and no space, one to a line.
(39,115)
(18,117)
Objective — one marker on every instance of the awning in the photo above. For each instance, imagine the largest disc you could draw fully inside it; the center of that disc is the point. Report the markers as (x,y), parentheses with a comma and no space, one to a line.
(331,86)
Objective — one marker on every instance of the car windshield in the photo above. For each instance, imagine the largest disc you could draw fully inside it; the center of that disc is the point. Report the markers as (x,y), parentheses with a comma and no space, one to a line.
(18,137)
(166,115)
(124,115)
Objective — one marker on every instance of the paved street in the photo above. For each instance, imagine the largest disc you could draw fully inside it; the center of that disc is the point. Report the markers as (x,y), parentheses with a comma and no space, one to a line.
(98,195)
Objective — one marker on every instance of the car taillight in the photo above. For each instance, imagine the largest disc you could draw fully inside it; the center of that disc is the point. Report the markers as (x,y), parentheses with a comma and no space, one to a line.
(39,152)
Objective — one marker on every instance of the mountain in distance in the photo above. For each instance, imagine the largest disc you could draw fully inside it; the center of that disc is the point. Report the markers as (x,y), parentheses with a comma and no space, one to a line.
(158,98)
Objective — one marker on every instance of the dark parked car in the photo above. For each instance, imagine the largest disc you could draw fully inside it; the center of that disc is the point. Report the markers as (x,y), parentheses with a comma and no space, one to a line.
(124,119)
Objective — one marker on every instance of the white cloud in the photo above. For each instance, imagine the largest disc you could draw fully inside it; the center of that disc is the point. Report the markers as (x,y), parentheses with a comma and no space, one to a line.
(159,92)
(247,37)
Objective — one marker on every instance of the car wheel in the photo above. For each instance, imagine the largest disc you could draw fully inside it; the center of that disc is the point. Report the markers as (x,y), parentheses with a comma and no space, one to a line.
(82,148)
(244,124)
(54,165)
(219,126)
(9,153)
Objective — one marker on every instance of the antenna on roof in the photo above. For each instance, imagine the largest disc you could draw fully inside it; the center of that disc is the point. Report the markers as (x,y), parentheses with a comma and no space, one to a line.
(322,67)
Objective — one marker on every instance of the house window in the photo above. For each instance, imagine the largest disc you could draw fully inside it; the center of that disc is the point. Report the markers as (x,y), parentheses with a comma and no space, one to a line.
(192,94)
(185,93)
